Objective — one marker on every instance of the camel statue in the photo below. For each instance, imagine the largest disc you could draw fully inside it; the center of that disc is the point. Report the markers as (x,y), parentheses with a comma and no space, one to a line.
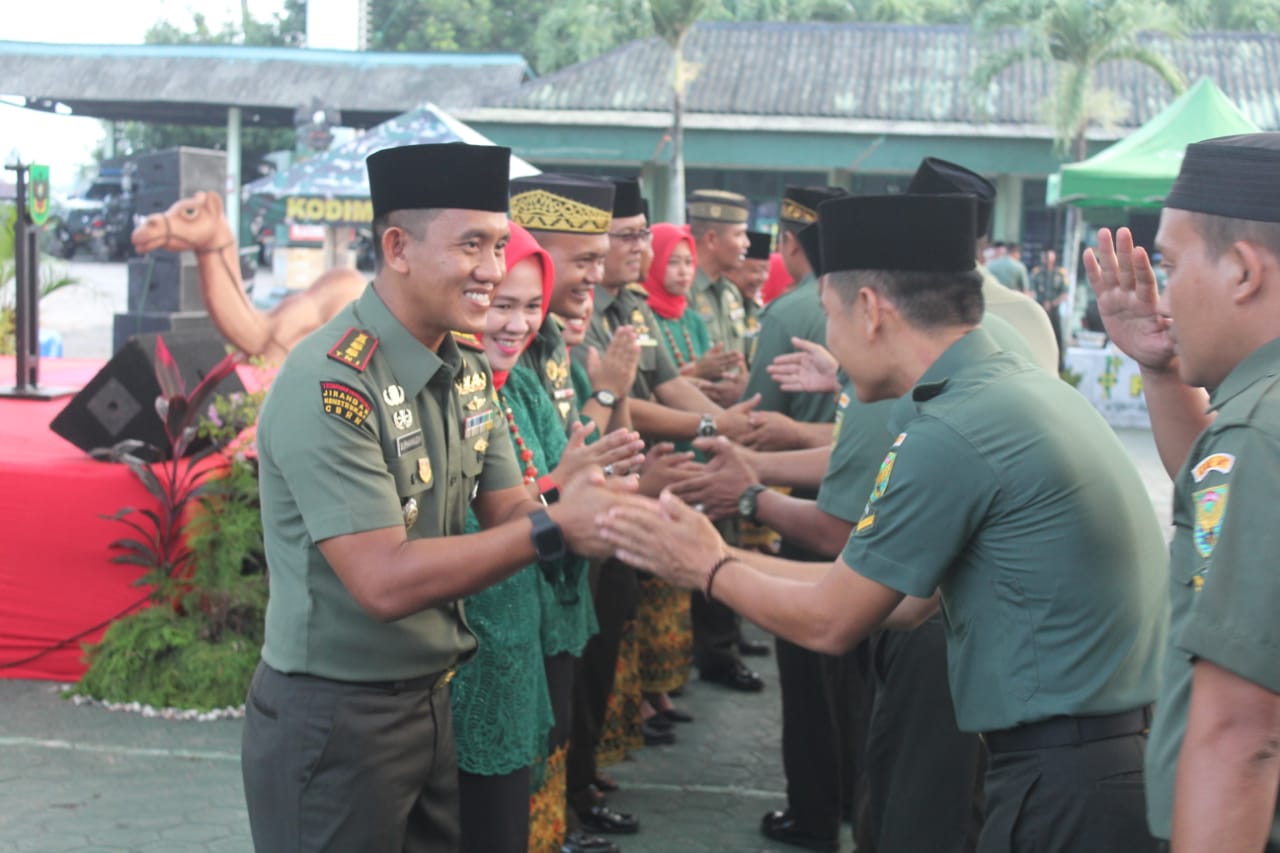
(197,224)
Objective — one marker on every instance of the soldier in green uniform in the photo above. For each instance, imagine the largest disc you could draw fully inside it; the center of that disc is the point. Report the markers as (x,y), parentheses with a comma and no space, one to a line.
(376,435)
(749,278)
(718,222)
(1049,287)
(1213,768)
(1047,569)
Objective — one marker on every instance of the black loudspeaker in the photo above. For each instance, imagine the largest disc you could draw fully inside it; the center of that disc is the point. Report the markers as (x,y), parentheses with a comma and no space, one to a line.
(120,401)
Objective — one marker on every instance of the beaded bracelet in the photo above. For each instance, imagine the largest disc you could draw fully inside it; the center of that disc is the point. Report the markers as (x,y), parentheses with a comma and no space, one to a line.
(711,575)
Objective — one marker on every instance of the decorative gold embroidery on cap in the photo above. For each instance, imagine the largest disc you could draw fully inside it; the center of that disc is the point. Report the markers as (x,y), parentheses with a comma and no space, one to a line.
(546,211)
(794,211)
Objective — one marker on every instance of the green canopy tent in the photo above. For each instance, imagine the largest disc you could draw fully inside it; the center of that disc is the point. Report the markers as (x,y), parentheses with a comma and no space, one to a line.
(1138,171)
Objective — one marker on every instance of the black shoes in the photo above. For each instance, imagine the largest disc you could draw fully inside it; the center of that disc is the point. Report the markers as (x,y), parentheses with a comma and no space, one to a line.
(657,731)
(675,715)
(734,676)
(753,648)
(578,841)
(604,819)
(781,826)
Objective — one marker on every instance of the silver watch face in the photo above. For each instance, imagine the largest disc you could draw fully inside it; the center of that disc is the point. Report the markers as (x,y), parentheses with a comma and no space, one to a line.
(606,398)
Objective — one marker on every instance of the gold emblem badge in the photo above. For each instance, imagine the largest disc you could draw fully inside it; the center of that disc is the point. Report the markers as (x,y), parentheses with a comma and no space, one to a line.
(482,445)
(403,418)
(557,372)
(637,318)
(475,404)
(410,512)
(424,470)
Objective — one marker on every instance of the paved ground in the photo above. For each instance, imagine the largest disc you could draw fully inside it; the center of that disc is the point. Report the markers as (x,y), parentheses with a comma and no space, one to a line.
(84,780)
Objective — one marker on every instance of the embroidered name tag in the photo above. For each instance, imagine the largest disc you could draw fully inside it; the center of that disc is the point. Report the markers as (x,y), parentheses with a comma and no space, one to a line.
(408,442)
(1220,462)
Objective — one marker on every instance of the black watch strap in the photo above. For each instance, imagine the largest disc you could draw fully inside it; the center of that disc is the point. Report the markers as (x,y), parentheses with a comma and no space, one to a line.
(547,537)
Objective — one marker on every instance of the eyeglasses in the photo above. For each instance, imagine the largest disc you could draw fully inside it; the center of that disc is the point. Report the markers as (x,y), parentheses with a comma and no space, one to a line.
(631,236)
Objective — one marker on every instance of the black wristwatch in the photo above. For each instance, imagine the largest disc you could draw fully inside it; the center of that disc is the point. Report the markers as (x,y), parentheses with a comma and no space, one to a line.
(606,398)
(748,501)
(707,426)
(547,537)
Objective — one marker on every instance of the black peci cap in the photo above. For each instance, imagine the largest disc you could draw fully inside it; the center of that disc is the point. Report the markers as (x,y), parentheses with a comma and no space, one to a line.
(761,245)
(1232,176)
(627,200)
(935,176)
(450,175)
(576,204)
(899,233)
(800,204)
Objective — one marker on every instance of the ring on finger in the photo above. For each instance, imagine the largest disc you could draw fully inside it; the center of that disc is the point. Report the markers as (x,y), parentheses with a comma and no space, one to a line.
(608,470)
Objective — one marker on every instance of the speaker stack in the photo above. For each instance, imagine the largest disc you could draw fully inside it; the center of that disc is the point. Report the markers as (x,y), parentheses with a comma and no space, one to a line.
(120,401)
(164,287)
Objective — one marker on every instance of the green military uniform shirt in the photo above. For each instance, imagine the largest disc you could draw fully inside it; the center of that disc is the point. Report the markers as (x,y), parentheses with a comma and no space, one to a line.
(1009,493)
(365,428)
(795,314)
(858,443)
(548,358)
(719,304)
(629,307)
(751,323)
(1224,586)
(1047,285)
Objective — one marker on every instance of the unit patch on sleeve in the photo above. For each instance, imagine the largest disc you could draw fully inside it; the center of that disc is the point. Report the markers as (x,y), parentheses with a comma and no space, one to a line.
(1211,506)
(1220,462)
(345,403)
(355,349)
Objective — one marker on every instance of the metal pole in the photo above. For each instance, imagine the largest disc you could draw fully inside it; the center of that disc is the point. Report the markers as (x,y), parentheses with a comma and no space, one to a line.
(232,194)
(21,283)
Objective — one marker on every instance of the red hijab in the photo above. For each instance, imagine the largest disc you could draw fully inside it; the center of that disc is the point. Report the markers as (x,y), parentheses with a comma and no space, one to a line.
(665,238)
(519,247)
(778,281)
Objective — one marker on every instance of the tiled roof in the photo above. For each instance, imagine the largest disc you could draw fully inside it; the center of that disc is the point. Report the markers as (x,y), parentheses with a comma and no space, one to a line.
(886,72)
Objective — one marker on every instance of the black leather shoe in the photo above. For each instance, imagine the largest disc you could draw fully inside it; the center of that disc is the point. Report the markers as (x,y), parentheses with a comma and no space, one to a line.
(578,841)
(753,648)
(604,782)
(675,715)
(781,826)
(735,676)
(654,736)
(606,820)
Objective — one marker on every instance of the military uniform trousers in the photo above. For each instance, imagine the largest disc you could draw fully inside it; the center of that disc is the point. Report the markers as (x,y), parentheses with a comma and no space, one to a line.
(825,705)
(1073,798)
(344,767)
(923,775)
(614,590)
(717,629)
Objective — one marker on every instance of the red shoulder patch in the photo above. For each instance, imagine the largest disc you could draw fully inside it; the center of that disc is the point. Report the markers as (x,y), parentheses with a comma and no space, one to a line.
(466,340)
(355,349)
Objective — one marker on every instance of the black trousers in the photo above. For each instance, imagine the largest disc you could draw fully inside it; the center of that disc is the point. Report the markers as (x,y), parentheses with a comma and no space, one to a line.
(614,589)
(923,775)
(825,705)
(332,766)
(495,812)
(1068,799)
(716,628)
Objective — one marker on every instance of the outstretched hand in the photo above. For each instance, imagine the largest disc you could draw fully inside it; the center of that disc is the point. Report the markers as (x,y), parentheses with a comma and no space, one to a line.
(810,368)
(621,449)
(663,466)
(687,548)
(716,362)
(1125,284)
(735,421)
(722,480)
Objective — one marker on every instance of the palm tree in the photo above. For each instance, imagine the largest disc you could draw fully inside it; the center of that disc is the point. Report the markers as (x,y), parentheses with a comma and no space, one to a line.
(672,21)
(1075,37)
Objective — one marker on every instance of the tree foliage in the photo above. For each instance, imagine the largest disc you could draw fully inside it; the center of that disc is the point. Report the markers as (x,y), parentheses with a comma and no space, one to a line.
(1075,37)
(287,29)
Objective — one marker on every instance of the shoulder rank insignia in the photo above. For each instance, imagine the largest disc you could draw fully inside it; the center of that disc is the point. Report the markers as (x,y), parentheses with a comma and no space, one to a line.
(1220,462)
(557,372)
(345,403)
(1211,506)
(638,289)
(355,348)
(472,383)
(468,340)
